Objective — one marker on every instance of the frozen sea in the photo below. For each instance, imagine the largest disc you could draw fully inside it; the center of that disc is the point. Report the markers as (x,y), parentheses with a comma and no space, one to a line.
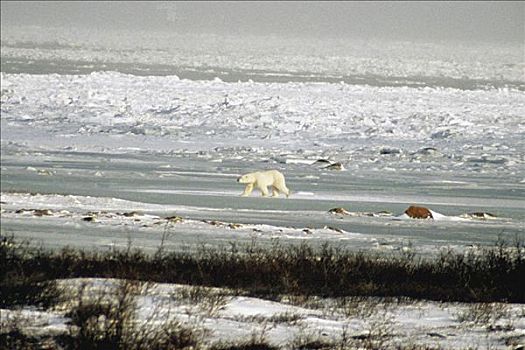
(104,135)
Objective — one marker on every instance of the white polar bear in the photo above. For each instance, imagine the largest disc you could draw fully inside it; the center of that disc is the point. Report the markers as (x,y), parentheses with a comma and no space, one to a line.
(263,179)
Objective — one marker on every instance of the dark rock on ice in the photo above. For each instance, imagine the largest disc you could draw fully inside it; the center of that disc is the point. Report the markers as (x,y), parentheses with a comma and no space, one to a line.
(341,211)
(479,215)
(36,212)
(132,213)
(335,166)
(42,212)
(338,230)
(234,226)
(387,151)
(174,218)
(427,151)
(436,335)
(322,162)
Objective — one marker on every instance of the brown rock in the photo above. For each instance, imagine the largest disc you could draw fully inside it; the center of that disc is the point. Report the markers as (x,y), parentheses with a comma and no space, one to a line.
(174,218)
(234,226)
(341,211)
(418,212)
(42,212)
(213,222)
(36,212)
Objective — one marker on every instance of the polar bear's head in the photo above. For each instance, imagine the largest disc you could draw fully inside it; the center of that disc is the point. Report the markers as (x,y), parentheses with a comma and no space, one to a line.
(246,179)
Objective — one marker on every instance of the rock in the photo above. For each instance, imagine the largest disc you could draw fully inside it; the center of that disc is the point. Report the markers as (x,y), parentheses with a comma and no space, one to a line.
(335,166)
(36,212)
(375,214)
(45,172)
(89,219)
(322,162)
(234,226)
(334,229)
(427,151)
(436,335)
(418,212)
(341,211)
(213,222)
(387,150)
(479,215)
(42,212)
(174,219)
(132,213)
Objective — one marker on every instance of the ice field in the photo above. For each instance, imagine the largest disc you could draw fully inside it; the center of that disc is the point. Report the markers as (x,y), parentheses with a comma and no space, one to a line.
(167,122)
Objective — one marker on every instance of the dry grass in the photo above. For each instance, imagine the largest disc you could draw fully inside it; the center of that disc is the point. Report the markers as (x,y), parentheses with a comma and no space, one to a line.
(297,271)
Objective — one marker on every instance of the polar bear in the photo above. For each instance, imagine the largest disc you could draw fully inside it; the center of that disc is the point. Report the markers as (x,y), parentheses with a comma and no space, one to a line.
(263,179)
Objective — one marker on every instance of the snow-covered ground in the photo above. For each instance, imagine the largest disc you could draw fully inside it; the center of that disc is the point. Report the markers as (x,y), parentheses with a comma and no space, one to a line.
(221,316)
(480,126)
(181,144)
(108,223)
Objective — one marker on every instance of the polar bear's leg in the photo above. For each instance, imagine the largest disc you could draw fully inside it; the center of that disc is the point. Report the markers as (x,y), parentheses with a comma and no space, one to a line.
(264,190)
(248,190)
(282,188)
(275,191)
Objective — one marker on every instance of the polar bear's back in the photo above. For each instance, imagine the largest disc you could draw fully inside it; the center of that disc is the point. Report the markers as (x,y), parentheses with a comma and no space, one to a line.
(270,176)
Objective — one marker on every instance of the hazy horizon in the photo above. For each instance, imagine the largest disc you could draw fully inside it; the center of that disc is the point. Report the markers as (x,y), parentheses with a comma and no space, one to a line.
(496,21)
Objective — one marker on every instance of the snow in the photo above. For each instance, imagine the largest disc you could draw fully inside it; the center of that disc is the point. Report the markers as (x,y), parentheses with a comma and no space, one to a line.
(36,322)
(238,318)
(118,104)
(105,222)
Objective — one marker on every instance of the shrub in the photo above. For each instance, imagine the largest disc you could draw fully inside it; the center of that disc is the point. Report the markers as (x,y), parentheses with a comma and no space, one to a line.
(300,271)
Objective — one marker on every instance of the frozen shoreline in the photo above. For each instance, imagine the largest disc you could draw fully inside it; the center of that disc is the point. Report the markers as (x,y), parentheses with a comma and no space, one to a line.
(106,223)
